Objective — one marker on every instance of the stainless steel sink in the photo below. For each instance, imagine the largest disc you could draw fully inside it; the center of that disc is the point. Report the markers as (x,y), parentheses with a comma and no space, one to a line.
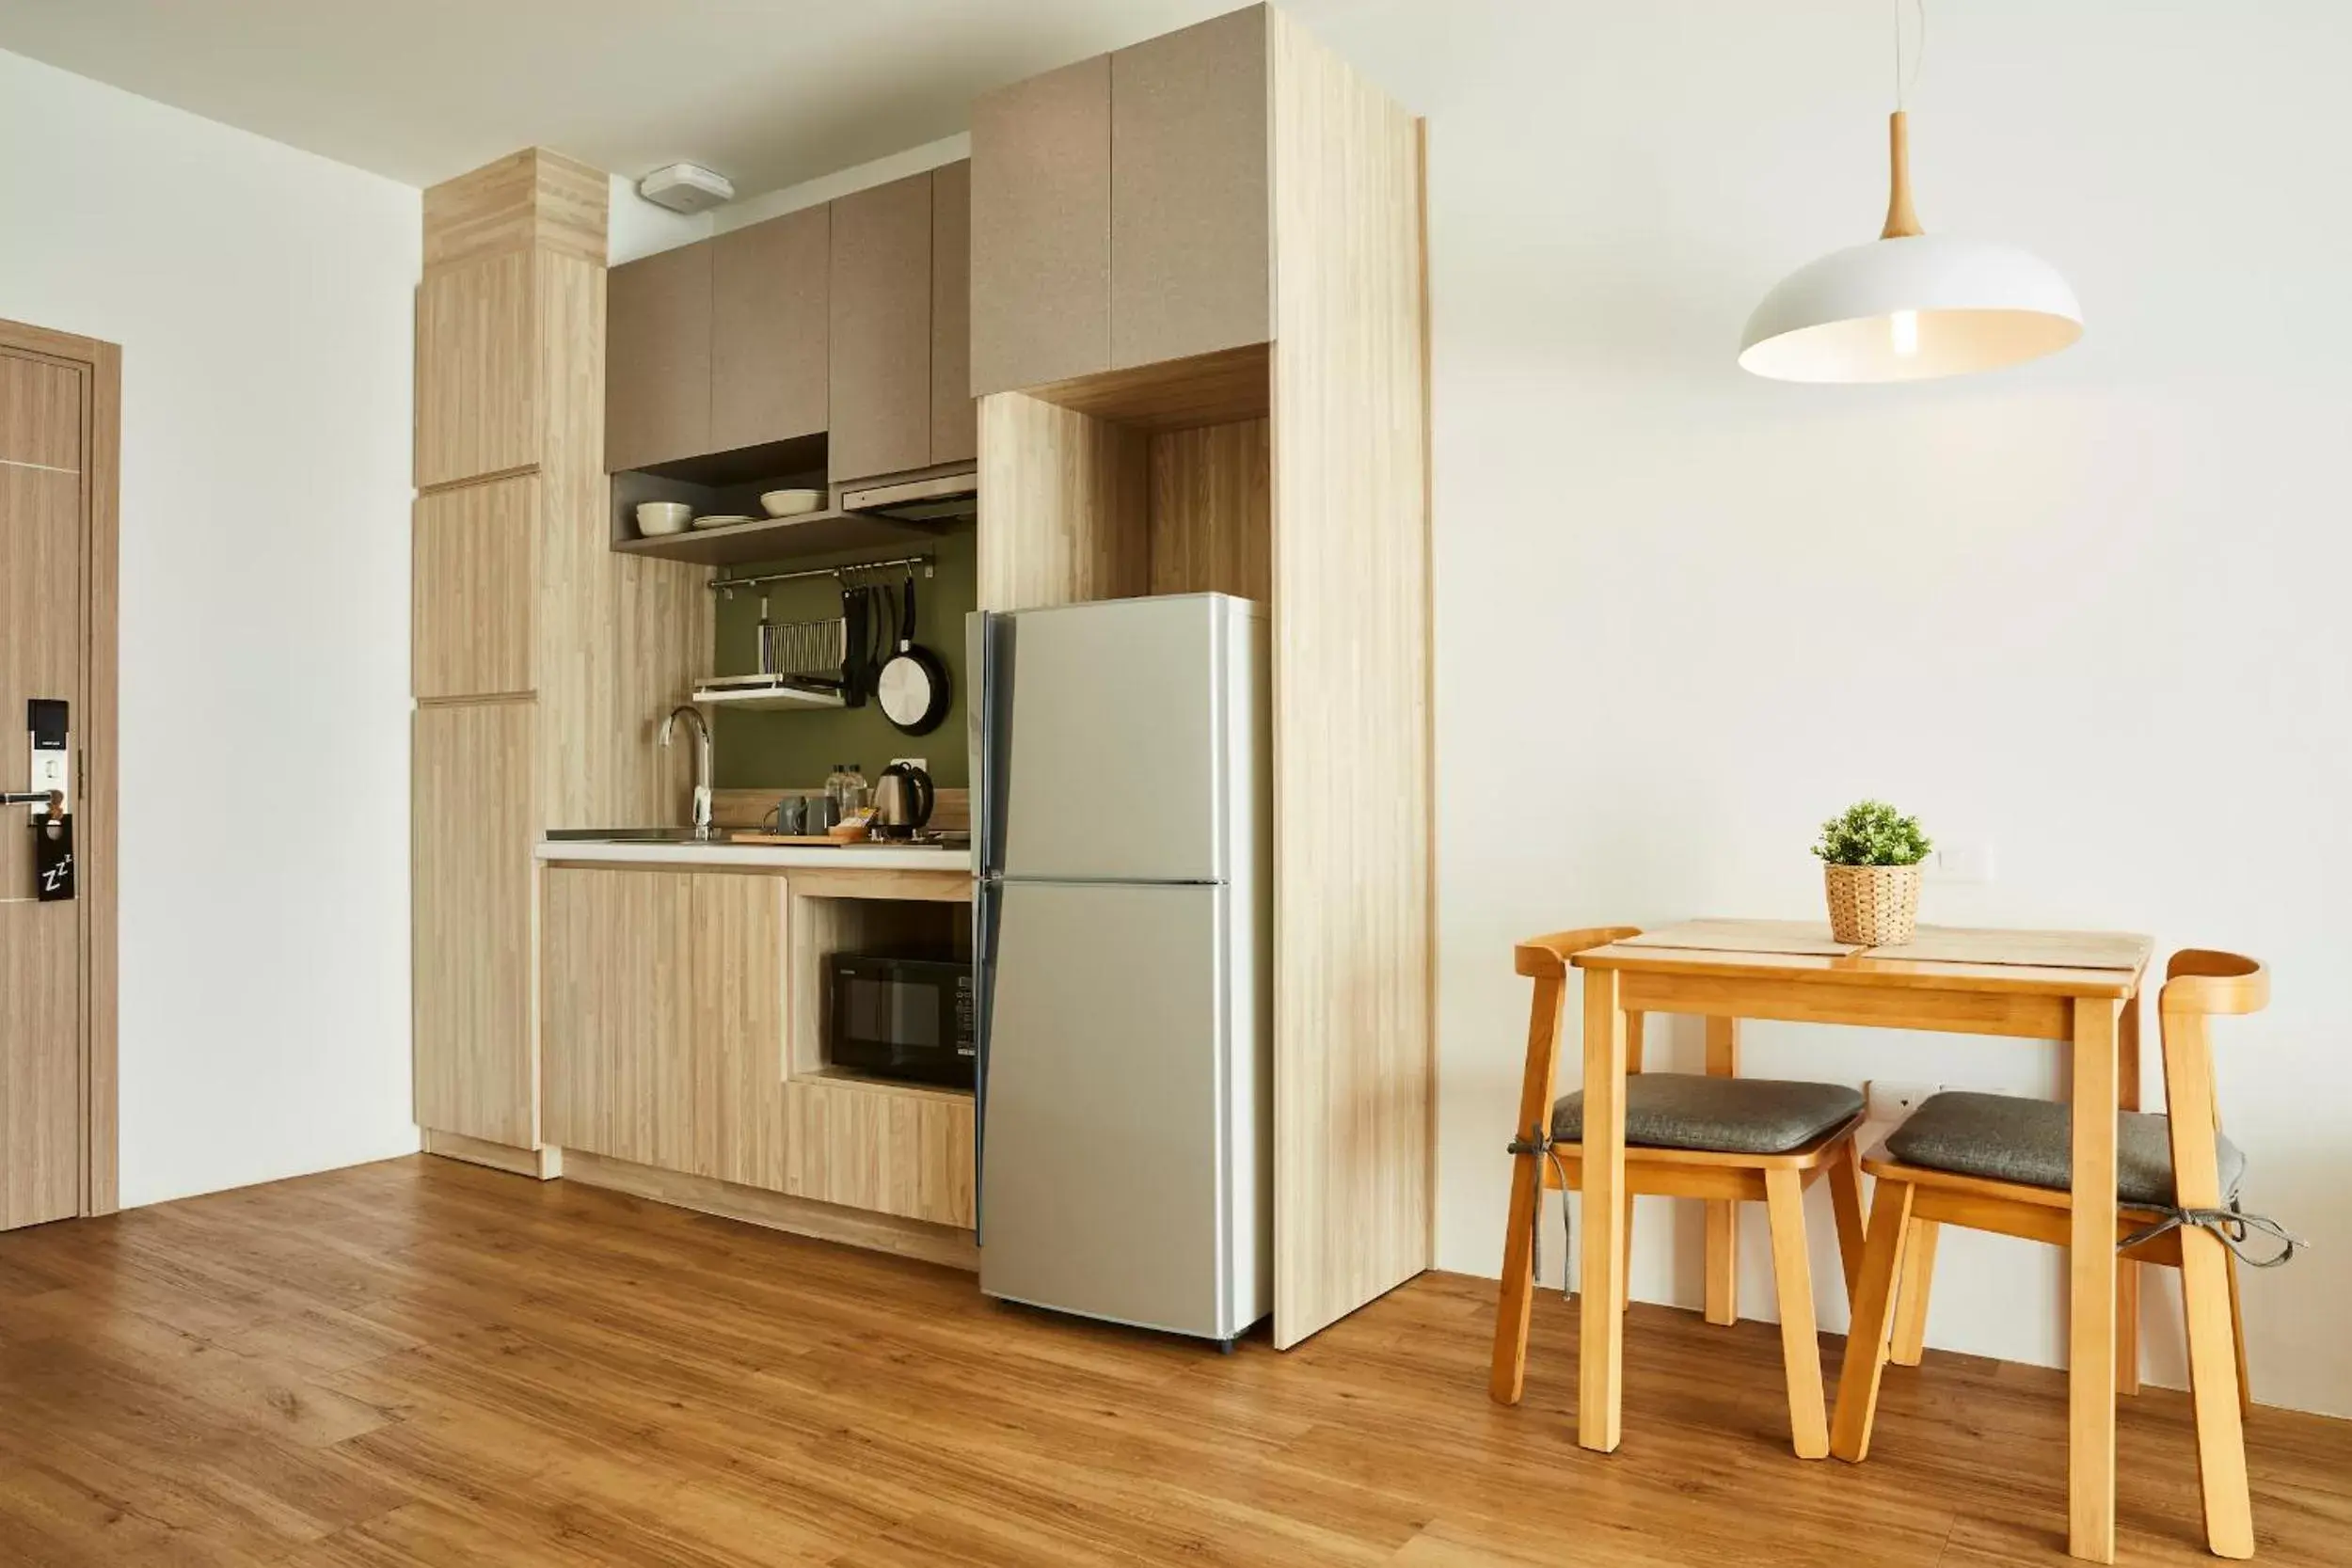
(634,835)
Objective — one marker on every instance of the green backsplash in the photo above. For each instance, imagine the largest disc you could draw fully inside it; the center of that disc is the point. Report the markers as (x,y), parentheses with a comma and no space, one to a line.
(798,750)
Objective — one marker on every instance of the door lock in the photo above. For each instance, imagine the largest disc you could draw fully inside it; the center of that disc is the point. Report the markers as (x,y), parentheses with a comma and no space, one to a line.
(49,736)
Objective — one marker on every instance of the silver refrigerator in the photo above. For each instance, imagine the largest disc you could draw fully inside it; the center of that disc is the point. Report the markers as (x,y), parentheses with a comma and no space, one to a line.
(1120,811)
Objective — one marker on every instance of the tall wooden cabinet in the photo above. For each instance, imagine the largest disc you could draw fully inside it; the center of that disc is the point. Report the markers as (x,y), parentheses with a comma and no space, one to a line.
(540,660)
(1199,316)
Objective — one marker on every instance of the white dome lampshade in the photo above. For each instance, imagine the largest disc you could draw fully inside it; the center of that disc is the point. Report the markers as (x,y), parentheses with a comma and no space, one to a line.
(1910,306)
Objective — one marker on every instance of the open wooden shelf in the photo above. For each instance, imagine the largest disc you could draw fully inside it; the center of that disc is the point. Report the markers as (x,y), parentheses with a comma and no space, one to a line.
(779,539)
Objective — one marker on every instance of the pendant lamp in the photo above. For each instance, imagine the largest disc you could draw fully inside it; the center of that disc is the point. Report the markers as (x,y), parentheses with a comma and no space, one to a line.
(1910,306)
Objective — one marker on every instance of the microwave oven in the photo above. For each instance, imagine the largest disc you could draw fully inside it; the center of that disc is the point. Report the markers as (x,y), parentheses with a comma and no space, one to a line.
(902,1017)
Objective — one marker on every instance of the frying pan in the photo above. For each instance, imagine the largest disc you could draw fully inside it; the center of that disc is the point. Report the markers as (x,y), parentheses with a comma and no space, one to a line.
(913,687)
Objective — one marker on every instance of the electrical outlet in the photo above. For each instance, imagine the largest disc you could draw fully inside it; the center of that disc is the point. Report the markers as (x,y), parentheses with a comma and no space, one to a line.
(923,763)
(1884,1100)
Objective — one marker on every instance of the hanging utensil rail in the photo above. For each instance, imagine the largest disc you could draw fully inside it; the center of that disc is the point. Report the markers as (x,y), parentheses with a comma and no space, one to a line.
(721,585)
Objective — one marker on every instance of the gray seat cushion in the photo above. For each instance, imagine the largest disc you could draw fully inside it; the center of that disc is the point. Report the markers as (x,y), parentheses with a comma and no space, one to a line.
(1723,1116)
(2010,1138)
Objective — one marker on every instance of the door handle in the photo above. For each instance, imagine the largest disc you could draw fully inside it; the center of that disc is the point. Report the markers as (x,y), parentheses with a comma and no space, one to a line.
(50,799)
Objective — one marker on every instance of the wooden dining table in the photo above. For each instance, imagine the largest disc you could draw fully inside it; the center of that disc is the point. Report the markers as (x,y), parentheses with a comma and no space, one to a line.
(2076,988)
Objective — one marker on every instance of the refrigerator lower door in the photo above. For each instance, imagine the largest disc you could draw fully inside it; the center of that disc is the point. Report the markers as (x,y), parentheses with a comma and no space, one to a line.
(1109,1136)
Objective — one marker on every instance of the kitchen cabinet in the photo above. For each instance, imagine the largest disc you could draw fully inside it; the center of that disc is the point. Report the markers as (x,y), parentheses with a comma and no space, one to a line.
(892,1148)
(880,307)
(769,323)
(1190,258)
(475,814)
(658,358)
(477,386)
(475,576)
(1121,209)
(1042,229)
(955,418)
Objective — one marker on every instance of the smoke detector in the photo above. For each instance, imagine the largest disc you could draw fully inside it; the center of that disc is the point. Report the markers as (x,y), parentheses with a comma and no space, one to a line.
(686,188)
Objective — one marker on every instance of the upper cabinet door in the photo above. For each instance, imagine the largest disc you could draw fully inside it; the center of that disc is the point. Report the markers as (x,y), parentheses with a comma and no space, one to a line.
(1191,266)
(955,424)
(657,358)
(1041,229)
(881,330)
(768,320)
(477,379)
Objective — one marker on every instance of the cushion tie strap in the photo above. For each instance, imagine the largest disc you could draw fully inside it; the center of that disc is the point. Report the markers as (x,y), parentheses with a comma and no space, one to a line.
(1541,1145)
(2231,1224)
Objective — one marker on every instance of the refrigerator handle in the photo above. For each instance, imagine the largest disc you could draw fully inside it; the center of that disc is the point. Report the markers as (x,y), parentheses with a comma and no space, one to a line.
(985,892)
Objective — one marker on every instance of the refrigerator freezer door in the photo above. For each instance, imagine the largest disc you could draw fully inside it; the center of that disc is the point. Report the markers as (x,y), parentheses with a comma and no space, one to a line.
(1106,1161)
(1115,749)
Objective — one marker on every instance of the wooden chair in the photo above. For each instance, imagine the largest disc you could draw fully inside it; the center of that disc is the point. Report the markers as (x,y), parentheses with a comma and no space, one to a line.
(1923,1186)
(1749,1110)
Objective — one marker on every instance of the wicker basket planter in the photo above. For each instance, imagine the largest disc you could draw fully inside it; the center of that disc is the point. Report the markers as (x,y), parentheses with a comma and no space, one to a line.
(1876,906)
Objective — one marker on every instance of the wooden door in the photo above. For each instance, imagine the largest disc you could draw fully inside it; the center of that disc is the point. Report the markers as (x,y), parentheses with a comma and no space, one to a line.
(472,588)
(880,348)
(43,639)
(657,358)
(954,417)
(768,320)
(617,1014)
(1191,265)
(475,814)
(1041,229)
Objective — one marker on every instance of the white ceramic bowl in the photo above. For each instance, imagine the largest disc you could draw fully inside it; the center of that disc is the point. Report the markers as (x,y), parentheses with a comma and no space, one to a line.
(657,520)
(791,503)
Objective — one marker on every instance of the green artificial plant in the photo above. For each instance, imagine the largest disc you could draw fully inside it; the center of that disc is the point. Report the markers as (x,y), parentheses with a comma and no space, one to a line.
(1871,832)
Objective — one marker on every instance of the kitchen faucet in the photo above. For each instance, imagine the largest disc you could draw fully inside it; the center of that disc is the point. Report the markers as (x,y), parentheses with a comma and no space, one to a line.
(702,761)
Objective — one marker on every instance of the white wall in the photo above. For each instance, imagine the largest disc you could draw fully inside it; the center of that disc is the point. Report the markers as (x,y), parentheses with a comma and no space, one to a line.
(2089,613)
(263,299)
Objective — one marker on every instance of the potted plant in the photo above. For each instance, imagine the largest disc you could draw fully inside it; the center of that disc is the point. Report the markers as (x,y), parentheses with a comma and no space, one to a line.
(1870,856)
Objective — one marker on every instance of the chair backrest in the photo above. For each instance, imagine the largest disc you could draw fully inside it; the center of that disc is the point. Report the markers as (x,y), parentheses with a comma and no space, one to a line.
(1545,960)
(2199,985)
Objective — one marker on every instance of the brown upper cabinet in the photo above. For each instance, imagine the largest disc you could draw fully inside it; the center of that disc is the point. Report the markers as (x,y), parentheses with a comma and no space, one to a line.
(881,330)
(657,368)
(1119,209)
(850,319)
(769,323)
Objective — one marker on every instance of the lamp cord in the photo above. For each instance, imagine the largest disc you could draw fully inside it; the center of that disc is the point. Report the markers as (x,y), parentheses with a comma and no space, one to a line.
(1903,84)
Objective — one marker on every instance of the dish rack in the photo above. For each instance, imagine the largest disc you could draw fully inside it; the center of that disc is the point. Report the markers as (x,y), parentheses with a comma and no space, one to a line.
(801,667)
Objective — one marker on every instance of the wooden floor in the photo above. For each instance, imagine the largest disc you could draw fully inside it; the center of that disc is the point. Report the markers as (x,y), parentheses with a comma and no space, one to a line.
(421,1362)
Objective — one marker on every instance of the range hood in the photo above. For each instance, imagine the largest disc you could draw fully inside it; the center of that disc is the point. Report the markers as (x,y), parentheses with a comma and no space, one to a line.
(945,496)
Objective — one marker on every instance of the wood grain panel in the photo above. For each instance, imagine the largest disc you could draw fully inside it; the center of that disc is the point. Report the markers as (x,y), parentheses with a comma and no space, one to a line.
(1042,229)
(616,1013)
(881,360)
(40,1059)
(1352,1032)
(954,418)
(1224,388)
(474,818)
(42,548)
(478,383)
(736,970)
(768,324)
(1213,511)
(531,199)
(894,1148)
(41,413)
(948,1246)
(543,1164)
(96,825)
(657,383)
(473,587)
(1191,258)
(1064,506)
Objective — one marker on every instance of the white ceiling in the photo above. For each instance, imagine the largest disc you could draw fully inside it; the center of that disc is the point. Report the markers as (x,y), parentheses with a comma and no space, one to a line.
(767,93)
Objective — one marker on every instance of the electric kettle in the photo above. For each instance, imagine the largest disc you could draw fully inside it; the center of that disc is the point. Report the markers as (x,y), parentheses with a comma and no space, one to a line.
(902,800)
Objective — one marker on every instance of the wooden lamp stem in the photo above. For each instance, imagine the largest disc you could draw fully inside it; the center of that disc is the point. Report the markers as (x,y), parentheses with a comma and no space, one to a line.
(1901,222)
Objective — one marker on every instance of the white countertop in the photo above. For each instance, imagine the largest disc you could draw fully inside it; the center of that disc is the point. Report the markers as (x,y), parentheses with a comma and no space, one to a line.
(859,857)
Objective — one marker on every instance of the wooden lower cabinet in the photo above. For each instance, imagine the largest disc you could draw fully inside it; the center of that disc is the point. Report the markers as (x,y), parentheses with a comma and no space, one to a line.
(476,814)
(663,1011)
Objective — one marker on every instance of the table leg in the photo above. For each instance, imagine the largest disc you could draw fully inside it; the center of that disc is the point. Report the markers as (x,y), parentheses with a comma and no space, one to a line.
(1722,1217)
(2126,1271)
(1601,1336)
(2092,1274)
